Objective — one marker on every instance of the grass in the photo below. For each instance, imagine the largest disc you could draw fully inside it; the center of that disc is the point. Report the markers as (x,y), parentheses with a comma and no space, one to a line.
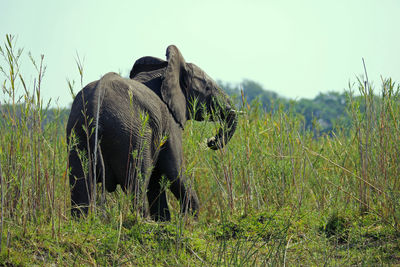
(277,194)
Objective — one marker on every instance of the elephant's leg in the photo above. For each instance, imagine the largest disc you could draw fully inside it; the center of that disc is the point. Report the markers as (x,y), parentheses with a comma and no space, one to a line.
(80,189)
(157,198)
(170,162)
(187,197)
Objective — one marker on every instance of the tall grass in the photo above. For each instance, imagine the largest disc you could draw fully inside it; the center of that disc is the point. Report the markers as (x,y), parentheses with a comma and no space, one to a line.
(273,161)
(263,196)
(32,154)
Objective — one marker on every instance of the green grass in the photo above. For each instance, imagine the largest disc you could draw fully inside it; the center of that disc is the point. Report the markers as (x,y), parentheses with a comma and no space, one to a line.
(277,194)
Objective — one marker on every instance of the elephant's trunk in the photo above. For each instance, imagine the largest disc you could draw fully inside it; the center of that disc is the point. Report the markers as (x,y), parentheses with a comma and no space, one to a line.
(228,118)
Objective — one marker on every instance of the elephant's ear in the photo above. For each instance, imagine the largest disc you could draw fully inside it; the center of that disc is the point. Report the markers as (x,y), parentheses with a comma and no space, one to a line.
(171,91)
(146,64)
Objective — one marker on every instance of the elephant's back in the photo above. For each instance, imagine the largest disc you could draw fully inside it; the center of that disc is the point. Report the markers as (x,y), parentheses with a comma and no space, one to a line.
(124,104)
(130,112)
(126,100)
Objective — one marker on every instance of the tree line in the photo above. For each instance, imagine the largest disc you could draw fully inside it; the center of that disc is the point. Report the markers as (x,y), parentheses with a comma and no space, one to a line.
(326,111)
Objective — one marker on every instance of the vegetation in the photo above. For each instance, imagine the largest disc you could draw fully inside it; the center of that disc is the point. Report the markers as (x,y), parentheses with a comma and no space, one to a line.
(328,110)
(275,195)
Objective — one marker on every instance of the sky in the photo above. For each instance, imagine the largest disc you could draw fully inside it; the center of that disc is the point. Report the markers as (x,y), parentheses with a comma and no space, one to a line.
(294,48)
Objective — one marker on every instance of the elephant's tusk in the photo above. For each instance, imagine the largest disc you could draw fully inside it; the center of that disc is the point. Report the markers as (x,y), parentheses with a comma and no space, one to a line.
(203,144)
(239,112)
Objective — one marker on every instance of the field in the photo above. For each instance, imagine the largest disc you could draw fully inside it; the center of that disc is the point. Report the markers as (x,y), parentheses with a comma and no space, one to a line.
(276,195)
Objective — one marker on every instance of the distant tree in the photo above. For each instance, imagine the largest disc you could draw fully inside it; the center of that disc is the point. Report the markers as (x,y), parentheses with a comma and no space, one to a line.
(326,109)
(254,91)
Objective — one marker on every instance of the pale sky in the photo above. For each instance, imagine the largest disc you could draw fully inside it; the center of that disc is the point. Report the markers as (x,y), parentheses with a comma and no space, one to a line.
(295,48)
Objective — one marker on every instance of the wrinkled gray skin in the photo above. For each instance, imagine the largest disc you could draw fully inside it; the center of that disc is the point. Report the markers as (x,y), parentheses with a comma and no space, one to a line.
(164,90)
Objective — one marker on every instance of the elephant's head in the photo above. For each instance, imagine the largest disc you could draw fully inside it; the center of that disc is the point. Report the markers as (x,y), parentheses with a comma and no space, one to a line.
(189,93)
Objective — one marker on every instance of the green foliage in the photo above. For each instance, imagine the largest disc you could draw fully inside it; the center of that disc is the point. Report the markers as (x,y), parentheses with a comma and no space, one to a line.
(325,113)
(254,91)
(275,195)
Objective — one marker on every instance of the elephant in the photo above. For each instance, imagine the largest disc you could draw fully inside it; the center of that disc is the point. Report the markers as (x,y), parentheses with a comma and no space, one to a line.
(131,128)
